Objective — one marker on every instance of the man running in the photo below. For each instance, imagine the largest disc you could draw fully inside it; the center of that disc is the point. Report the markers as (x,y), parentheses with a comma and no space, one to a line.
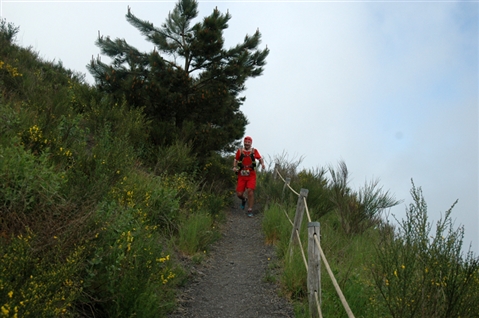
(245,164)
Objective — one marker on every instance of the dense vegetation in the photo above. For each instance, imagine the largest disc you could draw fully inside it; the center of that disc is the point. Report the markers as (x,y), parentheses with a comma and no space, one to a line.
(383,270)
(106,198)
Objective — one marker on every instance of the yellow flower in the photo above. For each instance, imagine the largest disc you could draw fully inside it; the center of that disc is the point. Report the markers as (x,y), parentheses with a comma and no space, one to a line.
(5,310)
(10,294)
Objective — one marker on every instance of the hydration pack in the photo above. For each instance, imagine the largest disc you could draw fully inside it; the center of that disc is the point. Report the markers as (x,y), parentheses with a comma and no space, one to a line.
(253,160)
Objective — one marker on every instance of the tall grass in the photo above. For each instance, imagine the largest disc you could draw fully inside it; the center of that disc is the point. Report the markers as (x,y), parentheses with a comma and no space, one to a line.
(197,233)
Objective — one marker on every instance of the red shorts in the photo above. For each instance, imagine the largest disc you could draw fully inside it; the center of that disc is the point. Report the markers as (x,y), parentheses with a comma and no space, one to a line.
(244,183)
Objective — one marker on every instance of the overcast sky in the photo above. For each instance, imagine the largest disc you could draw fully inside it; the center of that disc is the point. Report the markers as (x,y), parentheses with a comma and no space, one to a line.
(389,87)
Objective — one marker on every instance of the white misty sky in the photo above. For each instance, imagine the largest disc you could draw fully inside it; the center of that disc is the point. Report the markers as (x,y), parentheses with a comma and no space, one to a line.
(390,87)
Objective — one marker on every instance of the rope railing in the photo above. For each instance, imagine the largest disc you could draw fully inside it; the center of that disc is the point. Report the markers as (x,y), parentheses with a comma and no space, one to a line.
(305,260)
(287,184)
(333,279)
(307,210)
(316,297)
(315,304)
(287,216)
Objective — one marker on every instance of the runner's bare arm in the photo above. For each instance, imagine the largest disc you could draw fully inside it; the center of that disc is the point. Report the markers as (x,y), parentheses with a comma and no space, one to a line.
(261,161)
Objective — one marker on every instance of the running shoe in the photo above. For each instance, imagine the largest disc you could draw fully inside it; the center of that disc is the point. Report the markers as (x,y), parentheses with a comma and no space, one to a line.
(250,213)
(243,203)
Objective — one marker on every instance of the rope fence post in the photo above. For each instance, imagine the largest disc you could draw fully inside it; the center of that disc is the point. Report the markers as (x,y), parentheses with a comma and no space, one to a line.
(286,184)
(313,264)
(298,219)
(314,271)
(276,169)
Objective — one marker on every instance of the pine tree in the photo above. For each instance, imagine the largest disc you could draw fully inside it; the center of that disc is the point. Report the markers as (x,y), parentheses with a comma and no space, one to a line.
(190,85)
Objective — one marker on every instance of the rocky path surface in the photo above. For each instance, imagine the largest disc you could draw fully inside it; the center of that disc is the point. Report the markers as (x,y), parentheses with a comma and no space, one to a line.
(231,282)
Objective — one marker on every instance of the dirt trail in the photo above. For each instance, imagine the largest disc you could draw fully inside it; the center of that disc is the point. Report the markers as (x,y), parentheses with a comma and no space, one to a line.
(231,282)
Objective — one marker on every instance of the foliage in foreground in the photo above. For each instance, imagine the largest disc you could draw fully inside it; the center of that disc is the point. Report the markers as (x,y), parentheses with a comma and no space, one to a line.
(382,271)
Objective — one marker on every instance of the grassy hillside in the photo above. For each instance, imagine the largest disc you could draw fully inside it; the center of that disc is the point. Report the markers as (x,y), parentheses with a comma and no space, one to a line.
(93,218)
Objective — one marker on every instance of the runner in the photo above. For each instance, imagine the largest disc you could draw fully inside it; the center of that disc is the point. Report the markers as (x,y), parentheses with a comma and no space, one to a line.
(244,164)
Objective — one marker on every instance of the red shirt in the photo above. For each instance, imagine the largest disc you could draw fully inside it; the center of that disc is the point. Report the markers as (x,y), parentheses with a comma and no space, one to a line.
(247,157)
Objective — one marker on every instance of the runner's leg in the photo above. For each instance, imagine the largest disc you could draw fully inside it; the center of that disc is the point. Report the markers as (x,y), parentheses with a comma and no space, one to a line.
(251,185)
(240,187)
(240,190)
(250,199)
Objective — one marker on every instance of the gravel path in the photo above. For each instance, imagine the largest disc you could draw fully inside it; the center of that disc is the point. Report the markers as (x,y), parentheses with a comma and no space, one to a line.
(231,282)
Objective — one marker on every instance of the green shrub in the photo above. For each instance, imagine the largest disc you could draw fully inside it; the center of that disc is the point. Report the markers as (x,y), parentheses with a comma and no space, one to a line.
(175,159)
(216,171)
(271,189)
(28,183)
(153,199)
(211,201)
(130,270)
(319,201)
(184,184)
(358,210)
(8,31)
(11,76)
(38,285)
(417,273)
(10,119)
(101,110)
(105,161)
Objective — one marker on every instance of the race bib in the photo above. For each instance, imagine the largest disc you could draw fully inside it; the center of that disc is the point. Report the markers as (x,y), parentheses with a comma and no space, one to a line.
(245,173)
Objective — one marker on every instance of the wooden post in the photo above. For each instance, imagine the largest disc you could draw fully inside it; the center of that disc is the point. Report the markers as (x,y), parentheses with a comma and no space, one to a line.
(314,269)
(286,184)
(298,219)
(276,168)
